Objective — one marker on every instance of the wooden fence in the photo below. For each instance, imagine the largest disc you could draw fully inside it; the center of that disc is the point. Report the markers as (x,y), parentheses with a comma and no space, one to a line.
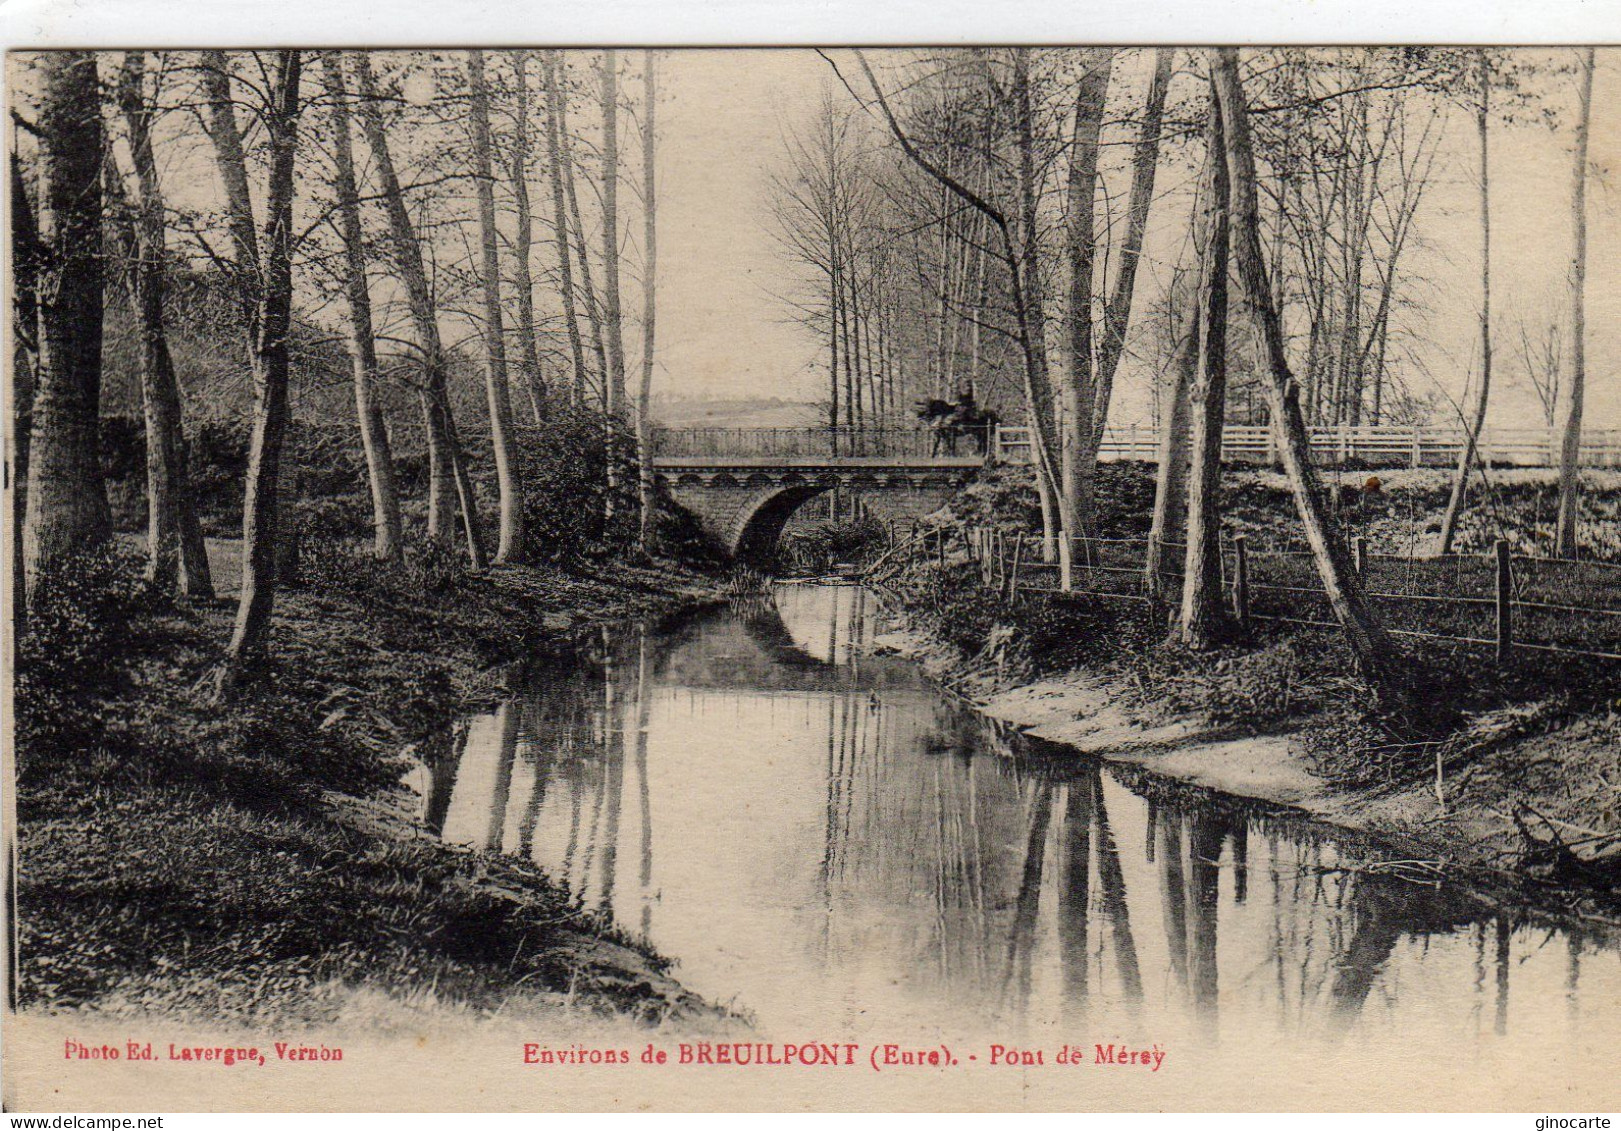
(1419,446)
(1499,600)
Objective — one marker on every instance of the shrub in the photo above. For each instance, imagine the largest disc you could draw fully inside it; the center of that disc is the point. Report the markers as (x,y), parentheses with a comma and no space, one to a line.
(820,547)
(79,620)
(75,646)
(332,563)
(564,467)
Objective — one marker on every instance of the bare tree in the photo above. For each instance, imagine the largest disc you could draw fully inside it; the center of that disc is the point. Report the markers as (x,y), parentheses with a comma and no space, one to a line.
(387,543)
(1144,172)
(560,222)
(264,275)
(1203,615)
(446,470)
(588,288)
(177,553)
(1078,393)
(1375,653)
(1022,260)
(523,283)
(1473,427)
(644,396)
(1031,310)
(67,510)
(27,256)
(1167,525)
(613,389)
(1540,358)
(512,548)
(1570,392)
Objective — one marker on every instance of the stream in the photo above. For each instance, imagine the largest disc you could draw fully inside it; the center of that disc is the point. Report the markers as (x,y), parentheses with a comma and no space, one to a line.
(826,841)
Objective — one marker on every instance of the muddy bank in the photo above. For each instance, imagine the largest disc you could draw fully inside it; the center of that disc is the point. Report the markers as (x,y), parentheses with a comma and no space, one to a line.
(260,862)
(1468,824)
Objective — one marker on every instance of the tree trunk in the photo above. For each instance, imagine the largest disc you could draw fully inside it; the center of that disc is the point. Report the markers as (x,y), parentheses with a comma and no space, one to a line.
(1078,393)
(445,471)
(1375,654)
(26,258)
(613,390)
(1204,615)
(593,307)
(407,258)
(512,548)
(1571,391)
(385,497)
(644,396)
(67,511)
(833,291)
(268,272)
(534,382)
(560,225)
(1170,481)
(178,555)
(1031,313)
(1471,439)
(1117,315)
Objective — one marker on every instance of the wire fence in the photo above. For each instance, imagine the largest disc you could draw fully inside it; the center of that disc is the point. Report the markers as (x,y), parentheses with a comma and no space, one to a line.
(1498,600)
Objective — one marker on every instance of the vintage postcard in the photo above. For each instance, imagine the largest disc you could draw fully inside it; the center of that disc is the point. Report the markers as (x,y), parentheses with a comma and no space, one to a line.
(1016,577)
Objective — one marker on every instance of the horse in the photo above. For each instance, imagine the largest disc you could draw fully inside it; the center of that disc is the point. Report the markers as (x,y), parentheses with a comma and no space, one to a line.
(951,421)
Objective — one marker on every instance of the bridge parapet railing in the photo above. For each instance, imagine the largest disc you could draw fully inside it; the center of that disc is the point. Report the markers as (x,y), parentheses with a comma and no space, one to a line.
(831,442)
(1412,446)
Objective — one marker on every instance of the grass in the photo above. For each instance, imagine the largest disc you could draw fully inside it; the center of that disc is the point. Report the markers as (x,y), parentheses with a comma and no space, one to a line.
(1540,729)
(256,862)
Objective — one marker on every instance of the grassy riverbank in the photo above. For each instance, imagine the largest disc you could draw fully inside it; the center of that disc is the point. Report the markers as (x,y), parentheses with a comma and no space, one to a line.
(259,862)
(1274,714)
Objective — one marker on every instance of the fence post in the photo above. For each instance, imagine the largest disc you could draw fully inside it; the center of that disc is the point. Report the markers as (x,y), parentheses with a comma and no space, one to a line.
(1418,445)
(1359,552)
(1241,579)
(1505,605)
(1013,575)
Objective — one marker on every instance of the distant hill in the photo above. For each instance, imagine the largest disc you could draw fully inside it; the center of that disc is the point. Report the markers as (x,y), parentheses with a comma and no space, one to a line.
(762,412)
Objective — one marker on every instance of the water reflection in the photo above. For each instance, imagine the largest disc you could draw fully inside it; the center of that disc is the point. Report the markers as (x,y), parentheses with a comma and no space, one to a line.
(821,837)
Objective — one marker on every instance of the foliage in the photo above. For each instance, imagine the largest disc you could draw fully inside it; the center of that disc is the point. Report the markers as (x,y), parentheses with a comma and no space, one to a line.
(817,549)
(565,472)
(332,563)
(79,621)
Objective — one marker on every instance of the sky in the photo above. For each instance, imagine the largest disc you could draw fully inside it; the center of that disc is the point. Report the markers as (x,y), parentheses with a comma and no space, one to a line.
(724,331)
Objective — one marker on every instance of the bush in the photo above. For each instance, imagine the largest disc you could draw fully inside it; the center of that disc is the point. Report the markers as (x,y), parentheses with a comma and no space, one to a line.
(819,548)
(564,468)
(75,646)
(332,563)
(80,619)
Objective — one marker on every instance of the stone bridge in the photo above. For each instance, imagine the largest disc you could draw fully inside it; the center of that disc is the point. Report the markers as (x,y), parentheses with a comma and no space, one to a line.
(744,501)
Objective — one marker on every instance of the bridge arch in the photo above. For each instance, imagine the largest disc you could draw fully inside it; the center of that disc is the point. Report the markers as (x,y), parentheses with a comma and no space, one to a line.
(744,502)
(760,528)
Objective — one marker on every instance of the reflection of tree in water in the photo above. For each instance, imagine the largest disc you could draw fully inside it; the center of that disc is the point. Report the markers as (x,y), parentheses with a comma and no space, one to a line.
(967,855)
(561,733)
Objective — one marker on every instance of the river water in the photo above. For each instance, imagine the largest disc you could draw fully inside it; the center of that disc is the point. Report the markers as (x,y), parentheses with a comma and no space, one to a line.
(826,842)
